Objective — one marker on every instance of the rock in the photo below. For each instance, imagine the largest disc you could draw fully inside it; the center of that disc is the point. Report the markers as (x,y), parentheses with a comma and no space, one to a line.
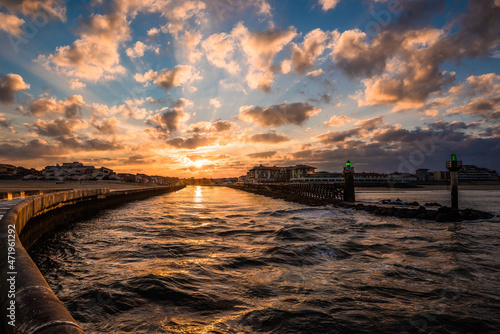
(432,204)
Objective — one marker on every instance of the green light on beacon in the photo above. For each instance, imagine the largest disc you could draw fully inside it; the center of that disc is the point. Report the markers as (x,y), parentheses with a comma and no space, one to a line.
(453,157)
(348,164)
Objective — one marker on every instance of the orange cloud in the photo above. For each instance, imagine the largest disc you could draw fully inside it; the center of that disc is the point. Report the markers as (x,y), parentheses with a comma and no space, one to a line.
(304,57)
(269,138)
(11,24)
(261,47)
(70,108)
(57,127)
(328,4)
(170,78)
(339,120)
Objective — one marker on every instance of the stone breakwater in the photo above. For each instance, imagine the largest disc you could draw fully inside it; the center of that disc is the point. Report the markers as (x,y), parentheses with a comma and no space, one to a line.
(442,214)
(32,307)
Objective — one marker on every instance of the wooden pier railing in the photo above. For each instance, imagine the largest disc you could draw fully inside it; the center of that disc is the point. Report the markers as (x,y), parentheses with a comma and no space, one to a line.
(320,191)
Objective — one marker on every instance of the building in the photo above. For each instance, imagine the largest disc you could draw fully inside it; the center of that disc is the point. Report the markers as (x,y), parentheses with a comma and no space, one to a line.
(370,179)
(265,174)
(441,176)
(322,177)
(300,172)
(401,178)
(471,173)
(423,175)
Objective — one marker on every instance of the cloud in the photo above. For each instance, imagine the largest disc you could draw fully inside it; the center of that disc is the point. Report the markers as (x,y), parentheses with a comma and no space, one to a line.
(153,32)
(169,120)
(189,41)
(356,57)
(75,84)
(209,127)
(139,49)
(411,74)
(177,13)
(304,56)
(339,120)
(191,143)
(36,148)
(276,115)
(170,78)
(328,4)
(370,124)
(261,47)
(11,24)
(269,138)
(363,128)
(4,122)
(50,9)
(94,56)
(215,103)
(262,155)
(478,95)
(57,127)
(130,109)
(70,108)
(10,84)
(337,137)
(106,126)
(219,50)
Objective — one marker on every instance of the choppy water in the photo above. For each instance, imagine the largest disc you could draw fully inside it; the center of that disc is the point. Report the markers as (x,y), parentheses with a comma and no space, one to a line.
(217,260)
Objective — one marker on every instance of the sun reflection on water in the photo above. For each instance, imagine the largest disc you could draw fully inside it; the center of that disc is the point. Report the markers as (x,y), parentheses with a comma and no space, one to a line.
(198,196)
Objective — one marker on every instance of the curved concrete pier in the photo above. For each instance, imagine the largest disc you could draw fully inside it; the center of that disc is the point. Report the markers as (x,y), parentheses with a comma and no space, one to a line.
(28,304)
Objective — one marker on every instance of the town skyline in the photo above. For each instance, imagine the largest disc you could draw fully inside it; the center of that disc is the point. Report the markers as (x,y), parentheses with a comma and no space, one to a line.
(212,88)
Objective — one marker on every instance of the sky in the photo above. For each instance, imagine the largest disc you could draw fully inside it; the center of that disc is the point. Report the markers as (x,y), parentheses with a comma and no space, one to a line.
(211,88)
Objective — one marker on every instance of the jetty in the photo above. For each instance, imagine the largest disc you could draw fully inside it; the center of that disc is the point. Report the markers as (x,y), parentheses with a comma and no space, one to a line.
(29,304)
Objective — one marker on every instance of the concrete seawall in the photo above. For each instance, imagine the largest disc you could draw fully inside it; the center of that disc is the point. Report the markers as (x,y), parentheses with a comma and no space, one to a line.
(25,297)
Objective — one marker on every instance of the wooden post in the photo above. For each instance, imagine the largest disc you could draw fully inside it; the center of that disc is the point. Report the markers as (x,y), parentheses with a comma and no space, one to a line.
(349,193)
(454,166)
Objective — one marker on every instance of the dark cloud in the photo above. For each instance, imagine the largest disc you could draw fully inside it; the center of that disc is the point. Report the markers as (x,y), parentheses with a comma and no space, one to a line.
(10,84)
(5,122)
(170,78)
(262,155)
(492,131)
(169,119)
(36,148)
(370,124)
(221,126)
(106,126)
(276,115)
(304,56)
(337,137)
(71,108)
(356,57)
(191,143)
(269,138)
(208,127)
(479,33)
(58,127)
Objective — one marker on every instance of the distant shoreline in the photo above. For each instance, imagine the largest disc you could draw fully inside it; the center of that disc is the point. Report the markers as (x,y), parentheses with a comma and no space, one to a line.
(484,187)
(20,185)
